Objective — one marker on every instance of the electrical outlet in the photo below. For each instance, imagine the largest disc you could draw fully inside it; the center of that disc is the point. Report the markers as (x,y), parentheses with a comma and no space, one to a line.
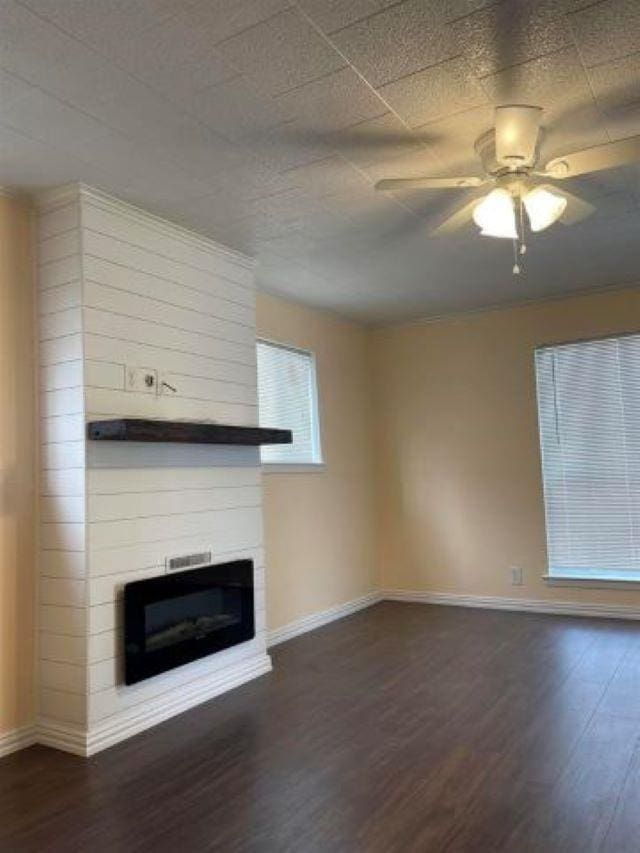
(516,576)
(144,380)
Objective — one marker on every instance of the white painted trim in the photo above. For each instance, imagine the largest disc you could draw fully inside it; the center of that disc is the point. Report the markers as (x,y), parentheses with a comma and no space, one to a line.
(61,736)
(149,714)
(293,468)
(614,287)
(560,608)
(594,583)
(17,739)
(317,620)
(176,702)
(61,196)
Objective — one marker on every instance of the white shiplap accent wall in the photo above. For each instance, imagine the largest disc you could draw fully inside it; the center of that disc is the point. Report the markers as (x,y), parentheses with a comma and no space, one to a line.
(121,288)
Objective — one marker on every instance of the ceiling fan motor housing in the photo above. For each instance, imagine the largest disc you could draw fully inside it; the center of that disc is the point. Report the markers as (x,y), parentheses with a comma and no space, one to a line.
(485,147)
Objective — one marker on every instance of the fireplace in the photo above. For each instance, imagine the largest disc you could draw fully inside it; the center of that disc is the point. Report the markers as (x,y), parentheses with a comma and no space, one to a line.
(177,618)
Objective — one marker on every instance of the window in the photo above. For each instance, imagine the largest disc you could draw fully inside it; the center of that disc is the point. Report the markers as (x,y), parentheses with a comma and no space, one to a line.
(287,398)
(589,416)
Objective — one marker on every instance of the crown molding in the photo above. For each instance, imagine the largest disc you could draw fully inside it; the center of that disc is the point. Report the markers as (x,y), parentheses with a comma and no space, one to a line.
(61,196)
(511,305)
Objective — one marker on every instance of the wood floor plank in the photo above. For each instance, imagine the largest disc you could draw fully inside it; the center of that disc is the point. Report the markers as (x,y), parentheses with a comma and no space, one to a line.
(402,728)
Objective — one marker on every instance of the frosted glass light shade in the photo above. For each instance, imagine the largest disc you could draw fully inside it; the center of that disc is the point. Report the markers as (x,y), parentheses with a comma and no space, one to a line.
(543,207)
(495,215)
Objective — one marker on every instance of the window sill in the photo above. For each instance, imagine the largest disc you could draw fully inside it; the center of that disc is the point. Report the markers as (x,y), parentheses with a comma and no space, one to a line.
(293,468)
(604,582)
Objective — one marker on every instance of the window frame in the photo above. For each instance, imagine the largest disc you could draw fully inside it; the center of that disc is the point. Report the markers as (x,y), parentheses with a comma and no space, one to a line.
(594,581)
(318,463)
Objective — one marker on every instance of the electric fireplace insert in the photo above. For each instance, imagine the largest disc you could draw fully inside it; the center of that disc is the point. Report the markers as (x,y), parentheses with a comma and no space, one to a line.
(181,617)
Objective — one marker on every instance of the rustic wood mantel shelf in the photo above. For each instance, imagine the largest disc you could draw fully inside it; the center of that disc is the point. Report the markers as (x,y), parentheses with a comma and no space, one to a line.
(186,432)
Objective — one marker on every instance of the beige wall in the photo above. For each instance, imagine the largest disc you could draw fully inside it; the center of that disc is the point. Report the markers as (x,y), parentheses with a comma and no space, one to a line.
(455,460)
(319,525)
(17,451)
(457,454)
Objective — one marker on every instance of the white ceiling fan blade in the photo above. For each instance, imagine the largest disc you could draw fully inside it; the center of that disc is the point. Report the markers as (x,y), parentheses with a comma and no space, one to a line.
(576,210)
(517,130)
(621,153)
(457,220)
(429,183)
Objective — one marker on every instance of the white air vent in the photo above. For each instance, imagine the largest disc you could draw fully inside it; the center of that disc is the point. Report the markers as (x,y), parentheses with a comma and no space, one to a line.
(188,561)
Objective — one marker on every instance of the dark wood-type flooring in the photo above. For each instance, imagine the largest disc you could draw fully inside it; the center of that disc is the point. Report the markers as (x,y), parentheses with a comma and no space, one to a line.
(403,728)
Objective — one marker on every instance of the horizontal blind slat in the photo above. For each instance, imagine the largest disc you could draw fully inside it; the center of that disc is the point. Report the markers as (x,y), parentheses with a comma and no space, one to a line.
(286,400)
(589,421)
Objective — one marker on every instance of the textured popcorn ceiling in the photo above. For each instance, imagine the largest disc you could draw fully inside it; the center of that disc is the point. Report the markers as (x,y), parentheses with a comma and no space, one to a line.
(264,124)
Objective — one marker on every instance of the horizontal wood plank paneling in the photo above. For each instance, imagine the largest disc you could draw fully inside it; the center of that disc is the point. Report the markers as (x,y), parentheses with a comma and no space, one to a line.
(101,347)
(63,706)
(58,221)
(168,244)
(59,272)
(113,481)
(63,454)
(131,505)
(62,428)
(64,677)
(64,619)
(103,403)
(66,348)
(65,401)
(62,649)
(120,327)
(57,509)
(59,246)
(103,271)
(121,289)
(128,255)
(60,298)
(127,304)
(63,564)
(62,536)
(69,374)
(56,483)
(104,374)
(60,324)
(244,521)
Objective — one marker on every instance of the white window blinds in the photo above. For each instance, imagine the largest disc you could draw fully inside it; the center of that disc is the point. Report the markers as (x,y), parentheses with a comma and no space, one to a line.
(589,416)
(287,399)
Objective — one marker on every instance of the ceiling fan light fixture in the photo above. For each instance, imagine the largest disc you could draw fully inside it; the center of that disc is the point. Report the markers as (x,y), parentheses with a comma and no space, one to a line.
(495,215)
(543,207)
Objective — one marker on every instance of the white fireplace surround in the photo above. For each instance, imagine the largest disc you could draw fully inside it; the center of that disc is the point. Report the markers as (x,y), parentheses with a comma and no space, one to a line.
(119,288)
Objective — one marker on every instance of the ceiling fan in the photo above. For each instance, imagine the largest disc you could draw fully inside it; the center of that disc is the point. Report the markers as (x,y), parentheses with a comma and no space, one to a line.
(509,154)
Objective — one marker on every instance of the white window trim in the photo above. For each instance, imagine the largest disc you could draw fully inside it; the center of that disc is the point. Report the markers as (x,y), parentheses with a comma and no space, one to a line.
(600,582)
(318,465)
(293,467)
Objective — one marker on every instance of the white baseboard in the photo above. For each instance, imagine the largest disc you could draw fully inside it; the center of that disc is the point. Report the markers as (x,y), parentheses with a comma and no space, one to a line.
(560,608)
(60,736)
(317,620)
(155,711)
(79,742)
(17,739)
(150,713)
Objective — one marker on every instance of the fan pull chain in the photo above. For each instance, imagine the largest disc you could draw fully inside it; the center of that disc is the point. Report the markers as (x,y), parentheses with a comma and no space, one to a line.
(516,244)
(523,246)
(516,268)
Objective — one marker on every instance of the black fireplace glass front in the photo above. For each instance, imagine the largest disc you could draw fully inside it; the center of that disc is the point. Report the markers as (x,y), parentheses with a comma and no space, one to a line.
(177,618)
